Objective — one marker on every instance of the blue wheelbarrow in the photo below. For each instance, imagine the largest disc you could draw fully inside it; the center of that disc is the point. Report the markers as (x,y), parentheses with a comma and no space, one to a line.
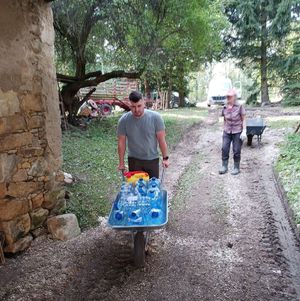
(140,218)
(254,127)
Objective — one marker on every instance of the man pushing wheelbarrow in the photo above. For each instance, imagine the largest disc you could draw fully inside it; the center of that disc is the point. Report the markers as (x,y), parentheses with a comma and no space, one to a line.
(144,131)
(142,204)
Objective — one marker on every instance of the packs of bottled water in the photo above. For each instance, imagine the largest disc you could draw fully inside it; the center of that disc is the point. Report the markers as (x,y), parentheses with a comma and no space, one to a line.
(139,203)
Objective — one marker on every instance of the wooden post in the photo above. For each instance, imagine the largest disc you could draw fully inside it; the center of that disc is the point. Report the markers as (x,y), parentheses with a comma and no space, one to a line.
(165,100)
(297,129)
(62,109)
(2,258)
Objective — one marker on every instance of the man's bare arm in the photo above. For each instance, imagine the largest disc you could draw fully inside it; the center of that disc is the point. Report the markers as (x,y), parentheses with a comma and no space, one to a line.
(121,151)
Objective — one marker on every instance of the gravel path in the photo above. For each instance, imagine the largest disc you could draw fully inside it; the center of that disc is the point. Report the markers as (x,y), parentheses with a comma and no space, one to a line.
(228,238)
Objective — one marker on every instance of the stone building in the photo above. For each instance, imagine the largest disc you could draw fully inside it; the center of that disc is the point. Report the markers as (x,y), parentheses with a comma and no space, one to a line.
(30,136)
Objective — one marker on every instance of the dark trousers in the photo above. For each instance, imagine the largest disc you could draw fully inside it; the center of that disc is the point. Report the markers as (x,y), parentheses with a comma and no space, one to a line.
(236,146)
(149,166)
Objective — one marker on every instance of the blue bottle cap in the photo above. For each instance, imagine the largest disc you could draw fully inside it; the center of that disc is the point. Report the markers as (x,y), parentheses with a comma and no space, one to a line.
(136,213)
(119,215)
(154,213)
(151,192)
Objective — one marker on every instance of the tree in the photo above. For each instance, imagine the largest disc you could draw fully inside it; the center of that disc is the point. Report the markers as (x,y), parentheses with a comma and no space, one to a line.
(291,87)
(287,65)
(74,22)
(195,40)
(126,33)
(130,36)
(258,28)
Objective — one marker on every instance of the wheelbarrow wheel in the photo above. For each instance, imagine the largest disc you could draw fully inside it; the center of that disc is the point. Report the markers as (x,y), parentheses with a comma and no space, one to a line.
(139,249)
(249,140)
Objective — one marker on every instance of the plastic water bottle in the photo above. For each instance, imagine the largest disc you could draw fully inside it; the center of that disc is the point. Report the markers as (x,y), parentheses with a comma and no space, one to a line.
(152,196)
(154,181)
(155,213)
(137,220)
(151,193)
(124,187)
(122,196)
(136,213)
(155,188)
(141,188)
(141,181)
(121,202)
(119,215)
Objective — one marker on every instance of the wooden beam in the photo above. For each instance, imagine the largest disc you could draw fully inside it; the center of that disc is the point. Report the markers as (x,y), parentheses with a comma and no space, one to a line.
(297,128)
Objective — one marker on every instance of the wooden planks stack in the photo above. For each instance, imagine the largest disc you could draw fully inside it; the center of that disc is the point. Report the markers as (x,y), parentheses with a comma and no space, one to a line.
(162,102)
(113,89)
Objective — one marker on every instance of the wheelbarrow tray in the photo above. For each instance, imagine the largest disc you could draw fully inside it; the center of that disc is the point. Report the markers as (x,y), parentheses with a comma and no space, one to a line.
(144,226)
(255,126)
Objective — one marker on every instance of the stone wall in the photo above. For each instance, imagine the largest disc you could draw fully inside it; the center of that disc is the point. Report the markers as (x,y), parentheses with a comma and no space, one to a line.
(30,136)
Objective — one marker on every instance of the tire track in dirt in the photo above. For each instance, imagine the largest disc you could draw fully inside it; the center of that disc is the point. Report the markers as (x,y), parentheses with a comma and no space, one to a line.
(285,241)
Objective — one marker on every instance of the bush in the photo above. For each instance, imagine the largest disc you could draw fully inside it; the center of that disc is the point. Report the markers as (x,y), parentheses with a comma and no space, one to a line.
(288,166)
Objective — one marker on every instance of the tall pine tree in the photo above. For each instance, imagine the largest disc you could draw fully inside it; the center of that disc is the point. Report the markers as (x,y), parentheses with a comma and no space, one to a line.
(257,31)
(291,88)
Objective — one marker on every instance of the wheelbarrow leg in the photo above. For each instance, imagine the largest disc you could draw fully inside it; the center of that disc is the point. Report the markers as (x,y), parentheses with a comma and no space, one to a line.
(249,139)
(139,249)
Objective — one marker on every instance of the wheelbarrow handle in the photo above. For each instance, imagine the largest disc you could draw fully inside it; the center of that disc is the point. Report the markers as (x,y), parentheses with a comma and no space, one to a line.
(122,173)
(162,176)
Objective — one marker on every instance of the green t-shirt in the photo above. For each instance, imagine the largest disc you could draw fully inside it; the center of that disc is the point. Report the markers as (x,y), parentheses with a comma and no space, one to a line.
(141,134)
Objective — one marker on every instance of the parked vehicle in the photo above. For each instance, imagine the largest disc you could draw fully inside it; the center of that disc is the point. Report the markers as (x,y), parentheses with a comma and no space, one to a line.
(174,101)
(112,93)
(88,109)
(217,90)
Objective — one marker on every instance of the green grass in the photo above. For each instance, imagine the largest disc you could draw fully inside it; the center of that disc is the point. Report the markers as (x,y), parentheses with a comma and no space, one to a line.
(177,121)
(186,189)
(288,167)
(291,109)
(281,122)
(91,156)
(188,180)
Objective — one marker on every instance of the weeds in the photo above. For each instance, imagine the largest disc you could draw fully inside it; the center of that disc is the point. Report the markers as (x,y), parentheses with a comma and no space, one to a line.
(288,167)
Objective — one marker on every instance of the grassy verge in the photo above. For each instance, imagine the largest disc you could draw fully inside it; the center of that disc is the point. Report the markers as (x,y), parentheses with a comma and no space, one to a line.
(288,167)
(291,109)
(91,156)
(177,121)
(278,122)
(288,163)
(188,180)
(188,183)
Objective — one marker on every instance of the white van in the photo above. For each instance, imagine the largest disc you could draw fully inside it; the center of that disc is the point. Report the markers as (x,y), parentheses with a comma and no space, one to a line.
(217,90)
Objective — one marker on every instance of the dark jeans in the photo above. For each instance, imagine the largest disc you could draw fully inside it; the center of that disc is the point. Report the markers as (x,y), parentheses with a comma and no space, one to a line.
(236,145)
(149,166)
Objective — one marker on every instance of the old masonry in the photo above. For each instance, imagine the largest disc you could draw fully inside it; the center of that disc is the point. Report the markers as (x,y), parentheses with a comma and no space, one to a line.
(31,187)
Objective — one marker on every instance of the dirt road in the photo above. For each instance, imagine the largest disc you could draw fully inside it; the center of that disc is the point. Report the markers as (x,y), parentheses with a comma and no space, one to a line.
(228,238)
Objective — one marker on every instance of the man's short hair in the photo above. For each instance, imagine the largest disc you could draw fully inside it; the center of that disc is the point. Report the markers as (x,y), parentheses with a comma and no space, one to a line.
(135,96)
